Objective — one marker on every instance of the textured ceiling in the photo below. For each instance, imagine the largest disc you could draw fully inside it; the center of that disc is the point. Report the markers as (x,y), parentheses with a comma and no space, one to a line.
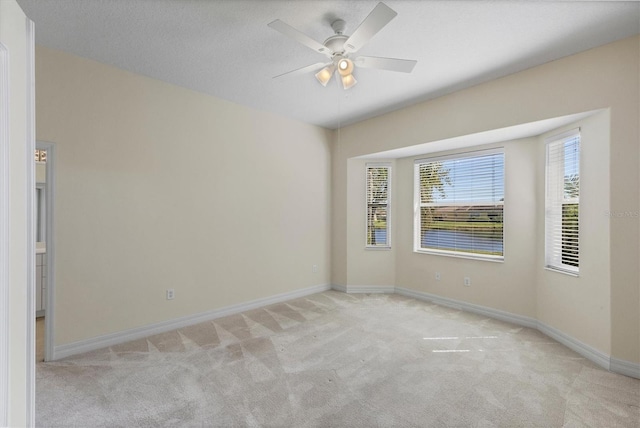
(224,48)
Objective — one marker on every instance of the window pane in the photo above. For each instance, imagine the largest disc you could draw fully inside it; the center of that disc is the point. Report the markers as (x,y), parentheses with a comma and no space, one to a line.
(570,234)
(377,226)
(571,169)
(461,204)
(562,203)
(377,206)
(469,179)
(474,229)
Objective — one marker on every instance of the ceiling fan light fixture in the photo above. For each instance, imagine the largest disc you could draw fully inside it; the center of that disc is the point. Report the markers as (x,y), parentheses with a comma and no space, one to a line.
(348,81)
(345,67)
(325,74)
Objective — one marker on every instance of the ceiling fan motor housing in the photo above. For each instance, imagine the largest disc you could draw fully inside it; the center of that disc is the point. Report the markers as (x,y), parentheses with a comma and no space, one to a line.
(336,43)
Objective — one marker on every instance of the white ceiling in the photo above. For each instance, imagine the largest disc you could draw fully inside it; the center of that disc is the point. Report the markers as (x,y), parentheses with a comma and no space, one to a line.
(224,48)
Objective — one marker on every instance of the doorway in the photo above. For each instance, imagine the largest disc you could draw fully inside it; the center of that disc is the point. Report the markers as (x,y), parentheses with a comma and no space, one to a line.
(45,250)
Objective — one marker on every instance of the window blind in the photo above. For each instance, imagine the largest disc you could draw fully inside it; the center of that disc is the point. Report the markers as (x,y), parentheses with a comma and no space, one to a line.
(378,183)
(460,202)
(562,203)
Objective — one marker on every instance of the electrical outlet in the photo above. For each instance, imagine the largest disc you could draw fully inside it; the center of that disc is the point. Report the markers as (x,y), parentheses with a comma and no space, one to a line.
(467,281)
(314,268)
(438,276)
(170,293)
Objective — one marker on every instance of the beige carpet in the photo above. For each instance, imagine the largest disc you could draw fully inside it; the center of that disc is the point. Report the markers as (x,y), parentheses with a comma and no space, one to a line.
(334,359)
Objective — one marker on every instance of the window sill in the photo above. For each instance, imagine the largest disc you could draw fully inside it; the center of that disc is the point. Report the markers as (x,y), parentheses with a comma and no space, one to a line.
(562,271)
(494,259)
(380,248)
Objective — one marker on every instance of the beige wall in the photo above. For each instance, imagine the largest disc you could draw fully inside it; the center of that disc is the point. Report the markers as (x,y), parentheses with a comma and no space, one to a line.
(605,77)
(338,213)
(581,306)
(41,172)
(160,187)
(12,36)
(501,285)
(367,266)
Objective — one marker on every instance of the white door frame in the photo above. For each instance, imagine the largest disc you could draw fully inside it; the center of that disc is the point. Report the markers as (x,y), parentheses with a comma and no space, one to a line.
(5,228)
(31,230)
(4,235)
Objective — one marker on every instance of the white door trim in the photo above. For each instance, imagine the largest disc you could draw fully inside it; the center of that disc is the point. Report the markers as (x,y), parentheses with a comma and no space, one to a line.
(4,235)
(31,235)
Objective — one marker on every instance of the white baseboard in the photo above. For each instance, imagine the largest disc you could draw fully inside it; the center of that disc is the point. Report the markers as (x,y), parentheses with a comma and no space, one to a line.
(469,307)
(370,289)
(79,347)
(339,287)
(385,289)
(626,368)
(598,357)
(603,360)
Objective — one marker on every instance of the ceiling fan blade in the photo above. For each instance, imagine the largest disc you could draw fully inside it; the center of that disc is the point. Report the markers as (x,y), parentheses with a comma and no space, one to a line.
(289,31)
(313,67)
(392,64)
(377,19)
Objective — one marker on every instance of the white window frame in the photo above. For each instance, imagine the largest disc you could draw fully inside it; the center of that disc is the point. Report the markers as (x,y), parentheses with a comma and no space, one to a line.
(417,248)
(555,201)
(387,245)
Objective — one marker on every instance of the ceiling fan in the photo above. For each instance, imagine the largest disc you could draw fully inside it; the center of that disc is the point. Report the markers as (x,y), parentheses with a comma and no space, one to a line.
(339,48)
